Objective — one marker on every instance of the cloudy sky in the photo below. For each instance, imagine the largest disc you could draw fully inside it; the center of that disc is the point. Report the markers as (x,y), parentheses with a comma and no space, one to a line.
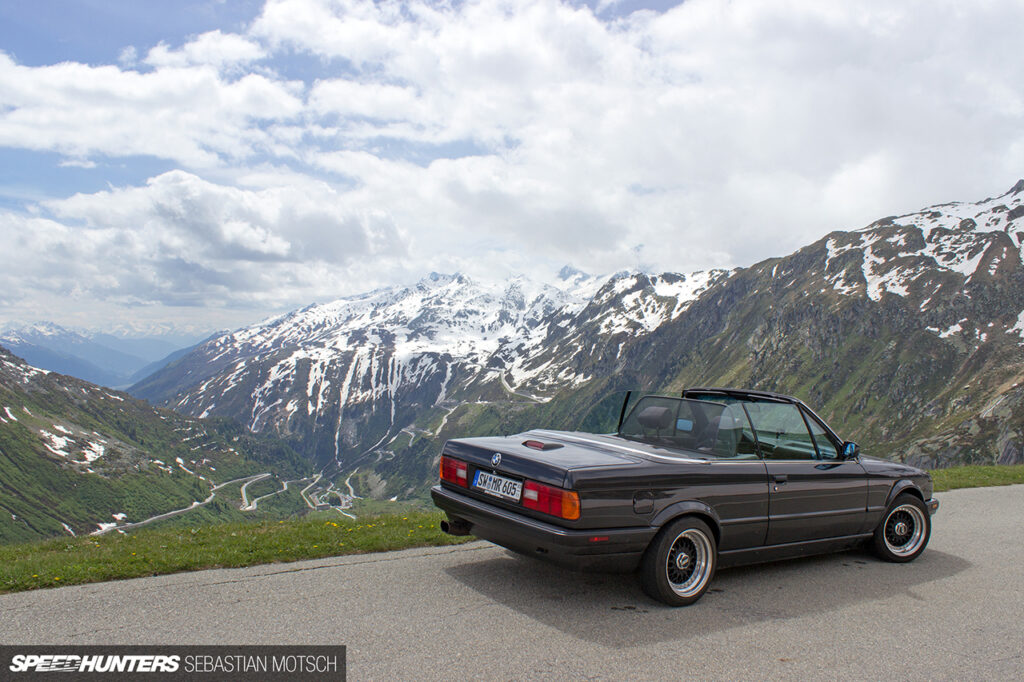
(207,163)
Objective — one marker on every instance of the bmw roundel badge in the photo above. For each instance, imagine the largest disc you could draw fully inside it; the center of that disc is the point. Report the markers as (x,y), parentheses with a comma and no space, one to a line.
(496,459)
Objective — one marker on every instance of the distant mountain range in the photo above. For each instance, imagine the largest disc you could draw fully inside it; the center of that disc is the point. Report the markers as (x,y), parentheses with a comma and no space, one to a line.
(100,358)
(907,334)
(76,457)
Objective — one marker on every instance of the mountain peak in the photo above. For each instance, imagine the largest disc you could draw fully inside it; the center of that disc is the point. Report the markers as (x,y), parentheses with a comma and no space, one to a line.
(441,279)
(1018,188)
(568,272)
(37,330)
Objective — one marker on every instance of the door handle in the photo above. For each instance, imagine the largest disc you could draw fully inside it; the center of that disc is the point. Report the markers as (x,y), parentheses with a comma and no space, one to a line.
(780,478)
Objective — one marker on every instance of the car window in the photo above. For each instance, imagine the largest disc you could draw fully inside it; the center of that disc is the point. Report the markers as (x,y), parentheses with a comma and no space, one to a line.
(781,431)
(683,424)
(735,438)
(826,448)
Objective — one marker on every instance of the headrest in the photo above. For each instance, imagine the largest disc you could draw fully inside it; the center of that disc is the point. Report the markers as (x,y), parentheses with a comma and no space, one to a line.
(655,417)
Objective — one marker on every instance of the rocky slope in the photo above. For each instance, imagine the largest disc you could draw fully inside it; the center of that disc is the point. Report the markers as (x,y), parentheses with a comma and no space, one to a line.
(909,333)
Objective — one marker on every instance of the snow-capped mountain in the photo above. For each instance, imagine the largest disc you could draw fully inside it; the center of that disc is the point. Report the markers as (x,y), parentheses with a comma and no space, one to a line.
(50,346)
(897,330)
(103,358)
(349,374)
(908,332)
(928,256)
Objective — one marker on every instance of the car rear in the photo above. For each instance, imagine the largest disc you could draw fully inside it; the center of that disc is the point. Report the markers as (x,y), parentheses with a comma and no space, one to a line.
(512,491)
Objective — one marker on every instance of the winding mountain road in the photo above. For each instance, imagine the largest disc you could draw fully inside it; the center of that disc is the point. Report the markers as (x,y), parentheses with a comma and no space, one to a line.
(475,611)
(176,512)
(246,505)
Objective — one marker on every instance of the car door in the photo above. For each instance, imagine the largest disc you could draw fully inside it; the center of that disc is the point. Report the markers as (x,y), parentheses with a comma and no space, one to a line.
(740,493)
(812,492)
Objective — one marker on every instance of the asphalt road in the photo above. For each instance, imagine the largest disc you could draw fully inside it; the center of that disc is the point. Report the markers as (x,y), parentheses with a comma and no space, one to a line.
(478,611)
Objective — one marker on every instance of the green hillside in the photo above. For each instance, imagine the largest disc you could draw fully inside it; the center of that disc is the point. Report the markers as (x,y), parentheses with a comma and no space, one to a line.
(73,455)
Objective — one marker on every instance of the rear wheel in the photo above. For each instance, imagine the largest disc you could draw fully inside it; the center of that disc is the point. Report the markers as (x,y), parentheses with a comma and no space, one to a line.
(680,562)
(904,531)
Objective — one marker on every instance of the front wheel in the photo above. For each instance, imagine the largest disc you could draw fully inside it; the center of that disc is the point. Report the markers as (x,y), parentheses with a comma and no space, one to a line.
(679,564)
(904,531)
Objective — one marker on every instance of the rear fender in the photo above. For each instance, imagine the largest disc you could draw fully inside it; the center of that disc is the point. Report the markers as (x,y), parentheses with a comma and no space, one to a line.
(690,508)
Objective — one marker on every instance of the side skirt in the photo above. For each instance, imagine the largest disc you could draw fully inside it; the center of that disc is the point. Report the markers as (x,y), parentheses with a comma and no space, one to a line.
(791,550)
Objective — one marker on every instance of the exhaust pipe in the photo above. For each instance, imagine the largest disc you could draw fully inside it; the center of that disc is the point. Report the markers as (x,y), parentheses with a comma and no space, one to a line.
(456,527)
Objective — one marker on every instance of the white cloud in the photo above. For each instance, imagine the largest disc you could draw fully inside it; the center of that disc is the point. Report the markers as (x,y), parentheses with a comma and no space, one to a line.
(77,163)
(486,134)
(128,57)
(212,48)
(183,241)
(193,115)
(769,122)
(371,100)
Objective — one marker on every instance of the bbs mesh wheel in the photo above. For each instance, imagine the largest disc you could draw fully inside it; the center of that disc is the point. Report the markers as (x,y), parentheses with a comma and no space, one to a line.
(904,531)
(680,562)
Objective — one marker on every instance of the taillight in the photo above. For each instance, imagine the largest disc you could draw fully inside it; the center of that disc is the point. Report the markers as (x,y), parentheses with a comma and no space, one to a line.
(454,471)
(564,504)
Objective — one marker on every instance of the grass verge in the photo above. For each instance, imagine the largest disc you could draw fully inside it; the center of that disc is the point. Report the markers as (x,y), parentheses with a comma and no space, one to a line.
(87,559)
(180,547)
(977,476)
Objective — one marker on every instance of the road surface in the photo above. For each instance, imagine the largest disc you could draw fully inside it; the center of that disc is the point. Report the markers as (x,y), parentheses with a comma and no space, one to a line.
(477,611)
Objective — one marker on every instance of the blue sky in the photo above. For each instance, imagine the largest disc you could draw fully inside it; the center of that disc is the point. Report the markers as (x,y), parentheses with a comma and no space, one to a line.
(95,31)
(203,164)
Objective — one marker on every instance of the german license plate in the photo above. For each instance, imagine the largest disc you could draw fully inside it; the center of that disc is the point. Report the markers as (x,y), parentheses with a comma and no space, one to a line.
(499,486)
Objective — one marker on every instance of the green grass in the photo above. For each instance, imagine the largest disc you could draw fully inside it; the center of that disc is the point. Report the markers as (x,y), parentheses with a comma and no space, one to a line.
(73,561)
(977,476)
(188,547)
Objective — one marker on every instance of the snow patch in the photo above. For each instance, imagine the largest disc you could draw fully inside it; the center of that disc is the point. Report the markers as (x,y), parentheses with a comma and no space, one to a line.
(58,445)
(1018,328)
(952,329)
(93,451)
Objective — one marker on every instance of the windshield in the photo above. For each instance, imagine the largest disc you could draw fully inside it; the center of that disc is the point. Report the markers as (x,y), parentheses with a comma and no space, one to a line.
(700,426)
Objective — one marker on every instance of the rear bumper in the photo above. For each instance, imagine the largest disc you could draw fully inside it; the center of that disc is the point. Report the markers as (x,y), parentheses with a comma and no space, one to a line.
(609,549)
(933,506)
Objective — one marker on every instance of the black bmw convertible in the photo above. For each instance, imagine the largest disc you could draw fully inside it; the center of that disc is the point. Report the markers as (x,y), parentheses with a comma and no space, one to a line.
(713,479)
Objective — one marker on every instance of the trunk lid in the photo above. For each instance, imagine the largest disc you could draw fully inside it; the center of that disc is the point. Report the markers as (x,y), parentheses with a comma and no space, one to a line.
(544,456)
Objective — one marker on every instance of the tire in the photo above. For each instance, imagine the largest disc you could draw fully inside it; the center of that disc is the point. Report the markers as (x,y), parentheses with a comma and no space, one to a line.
(680,562)
(904,531)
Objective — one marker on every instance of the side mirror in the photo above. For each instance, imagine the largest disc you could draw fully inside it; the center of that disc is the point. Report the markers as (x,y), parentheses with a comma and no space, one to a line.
(850,450)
